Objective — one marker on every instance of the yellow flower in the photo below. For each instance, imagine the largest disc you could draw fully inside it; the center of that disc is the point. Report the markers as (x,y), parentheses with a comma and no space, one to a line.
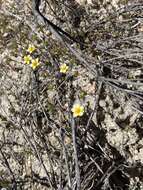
(35,63)
(78,110)
(31,48)
(64,68)
(27,59)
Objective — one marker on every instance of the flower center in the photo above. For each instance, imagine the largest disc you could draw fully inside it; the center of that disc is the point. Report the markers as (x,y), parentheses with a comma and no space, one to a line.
(78,110)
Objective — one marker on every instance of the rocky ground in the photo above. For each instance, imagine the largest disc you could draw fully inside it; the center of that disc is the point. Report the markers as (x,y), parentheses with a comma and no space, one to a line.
(38,146)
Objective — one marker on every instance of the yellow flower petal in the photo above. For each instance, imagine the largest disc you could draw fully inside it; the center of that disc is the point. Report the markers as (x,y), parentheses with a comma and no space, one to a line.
(64,68)
(35,63)
(31,48)
(78,110)
(27,59)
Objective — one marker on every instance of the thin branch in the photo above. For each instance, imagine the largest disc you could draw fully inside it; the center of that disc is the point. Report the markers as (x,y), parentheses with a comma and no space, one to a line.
(77,171)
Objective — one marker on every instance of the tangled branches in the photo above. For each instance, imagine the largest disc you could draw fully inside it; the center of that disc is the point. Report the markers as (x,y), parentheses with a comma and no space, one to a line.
(43,144)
